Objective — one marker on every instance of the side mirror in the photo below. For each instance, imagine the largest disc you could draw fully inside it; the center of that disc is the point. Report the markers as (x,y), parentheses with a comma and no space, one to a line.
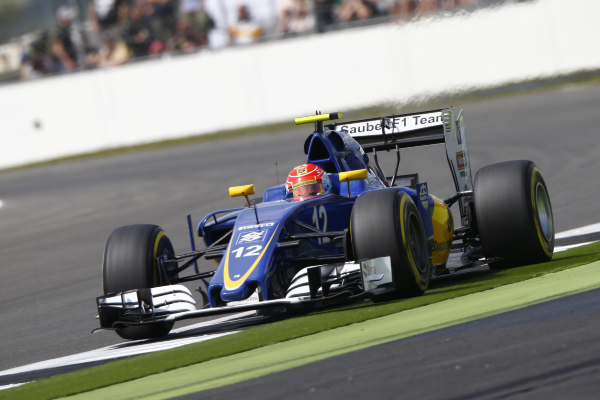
(246,190)
(355,175)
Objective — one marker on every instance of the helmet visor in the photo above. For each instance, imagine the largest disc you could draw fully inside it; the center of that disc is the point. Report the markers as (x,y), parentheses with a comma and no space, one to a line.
(313,189)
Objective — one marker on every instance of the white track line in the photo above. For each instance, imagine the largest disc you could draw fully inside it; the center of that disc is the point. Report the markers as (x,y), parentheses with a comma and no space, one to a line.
(215,321)
(571,246)
(584,230)
(128,349)
(12,385)
(112,352)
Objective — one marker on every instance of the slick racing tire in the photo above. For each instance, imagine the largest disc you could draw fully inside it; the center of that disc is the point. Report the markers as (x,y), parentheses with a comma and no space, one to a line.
(130,263)
(387,223)
(513,214)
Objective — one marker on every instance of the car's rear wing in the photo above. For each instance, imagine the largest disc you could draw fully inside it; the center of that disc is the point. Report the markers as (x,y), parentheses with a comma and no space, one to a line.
(419,129)
(385,133)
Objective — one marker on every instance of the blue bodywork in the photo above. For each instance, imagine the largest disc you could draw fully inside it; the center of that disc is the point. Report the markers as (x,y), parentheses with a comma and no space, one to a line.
(260,256)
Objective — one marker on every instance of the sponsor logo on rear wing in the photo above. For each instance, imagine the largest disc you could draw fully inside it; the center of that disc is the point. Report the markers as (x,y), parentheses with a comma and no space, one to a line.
(392,124)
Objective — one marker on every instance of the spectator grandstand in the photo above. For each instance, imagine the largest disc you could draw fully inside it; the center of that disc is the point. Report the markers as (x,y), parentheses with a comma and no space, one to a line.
(47,37)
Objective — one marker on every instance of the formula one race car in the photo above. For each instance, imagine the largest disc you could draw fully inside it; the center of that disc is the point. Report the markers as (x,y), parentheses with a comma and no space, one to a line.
(338,230)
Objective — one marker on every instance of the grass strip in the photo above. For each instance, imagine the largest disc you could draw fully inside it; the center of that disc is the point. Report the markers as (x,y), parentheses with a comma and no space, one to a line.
(148,364)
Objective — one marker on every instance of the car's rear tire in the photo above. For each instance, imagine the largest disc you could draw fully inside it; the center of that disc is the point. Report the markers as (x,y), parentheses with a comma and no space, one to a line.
(514,214)
(387,223)
(130,263)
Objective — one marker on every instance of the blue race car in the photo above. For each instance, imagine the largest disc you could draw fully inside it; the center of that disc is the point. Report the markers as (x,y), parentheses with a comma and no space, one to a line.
(338,230)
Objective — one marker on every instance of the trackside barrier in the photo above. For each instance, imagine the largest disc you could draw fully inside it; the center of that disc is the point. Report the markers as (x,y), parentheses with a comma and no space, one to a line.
(276,81)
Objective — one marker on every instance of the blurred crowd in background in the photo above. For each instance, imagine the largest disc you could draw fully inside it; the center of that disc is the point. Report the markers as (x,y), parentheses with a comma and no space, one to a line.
(86,34)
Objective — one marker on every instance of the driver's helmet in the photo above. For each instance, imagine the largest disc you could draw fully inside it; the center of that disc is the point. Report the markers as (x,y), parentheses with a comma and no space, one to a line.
(307,180)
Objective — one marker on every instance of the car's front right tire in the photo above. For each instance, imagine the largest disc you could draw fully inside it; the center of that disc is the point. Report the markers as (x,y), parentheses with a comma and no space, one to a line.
(130,263)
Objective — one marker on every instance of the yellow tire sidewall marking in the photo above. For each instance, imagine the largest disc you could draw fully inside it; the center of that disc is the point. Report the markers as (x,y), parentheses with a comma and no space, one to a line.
(155,279)
(407,248)
(534,173)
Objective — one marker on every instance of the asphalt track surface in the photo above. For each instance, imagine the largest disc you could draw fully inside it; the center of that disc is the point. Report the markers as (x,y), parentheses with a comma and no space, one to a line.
(56,219)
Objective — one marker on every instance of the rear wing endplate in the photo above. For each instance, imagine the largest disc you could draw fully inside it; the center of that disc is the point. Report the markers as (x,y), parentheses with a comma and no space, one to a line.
(458,159)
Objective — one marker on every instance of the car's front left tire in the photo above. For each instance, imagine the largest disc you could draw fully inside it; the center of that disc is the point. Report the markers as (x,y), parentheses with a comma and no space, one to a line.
(387,223)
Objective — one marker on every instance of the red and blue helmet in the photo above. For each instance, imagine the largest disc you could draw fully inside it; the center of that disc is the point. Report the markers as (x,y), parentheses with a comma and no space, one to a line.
(307,180)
